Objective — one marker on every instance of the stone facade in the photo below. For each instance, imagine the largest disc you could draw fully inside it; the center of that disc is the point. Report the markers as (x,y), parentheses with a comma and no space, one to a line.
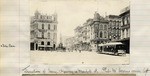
(99,31)
(114,27)
(43,31)
(125,28)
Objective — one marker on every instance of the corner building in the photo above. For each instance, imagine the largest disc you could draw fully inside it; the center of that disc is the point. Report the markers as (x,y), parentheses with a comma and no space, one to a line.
(99,32)
(43,32)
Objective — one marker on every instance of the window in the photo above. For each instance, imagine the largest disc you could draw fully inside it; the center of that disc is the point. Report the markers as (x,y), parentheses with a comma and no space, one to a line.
(118,24)
(115,26)
(42,34)
(105,35)
(114,23)
(101,34)
(128,20)
(49,26)
(105,27)
(125,20)
(122,33)
(42,26)
(54,36)
(48,43)
(48,35)
(41,16)
(42,43)
(122,21)
(127,33)
(54,27)
(97,35)
(101,26)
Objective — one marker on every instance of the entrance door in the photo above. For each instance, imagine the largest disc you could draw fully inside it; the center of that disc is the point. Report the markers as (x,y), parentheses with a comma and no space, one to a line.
(31,46)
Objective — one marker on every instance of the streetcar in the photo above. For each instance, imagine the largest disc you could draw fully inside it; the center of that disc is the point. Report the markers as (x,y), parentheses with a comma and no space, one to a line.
(114,48)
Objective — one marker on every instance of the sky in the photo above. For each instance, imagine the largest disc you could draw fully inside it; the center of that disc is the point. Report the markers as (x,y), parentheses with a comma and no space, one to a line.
(73,13)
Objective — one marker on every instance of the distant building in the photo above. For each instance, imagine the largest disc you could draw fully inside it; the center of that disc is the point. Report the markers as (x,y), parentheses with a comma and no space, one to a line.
(64,38)
(79,37)
(82,35)
(125,27)
(70,43)
(99,31)
(43,31)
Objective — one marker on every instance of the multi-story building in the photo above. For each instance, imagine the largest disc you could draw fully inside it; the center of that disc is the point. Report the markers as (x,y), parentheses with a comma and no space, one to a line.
(125,28)
(99,31)
(87,30)
(43,31)
(80,37)
(70,43)
(114,27)
(82,34)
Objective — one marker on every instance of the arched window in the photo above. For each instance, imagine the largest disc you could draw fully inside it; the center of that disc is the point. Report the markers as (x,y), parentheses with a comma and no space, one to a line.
(42,43)
(48,43)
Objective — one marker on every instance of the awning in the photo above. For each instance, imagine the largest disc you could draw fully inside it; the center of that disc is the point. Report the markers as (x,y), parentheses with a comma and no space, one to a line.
(111,43)
(114,43)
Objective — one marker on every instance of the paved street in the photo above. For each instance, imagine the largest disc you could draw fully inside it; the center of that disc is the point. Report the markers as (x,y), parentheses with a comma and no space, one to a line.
(76,58)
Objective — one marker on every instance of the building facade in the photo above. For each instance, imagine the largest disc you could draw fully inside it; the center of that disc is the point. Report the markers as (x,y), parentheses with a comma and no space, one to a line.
(82,35)
(70,43)
(114,27)
(99,32)
(43,31)
(125,28)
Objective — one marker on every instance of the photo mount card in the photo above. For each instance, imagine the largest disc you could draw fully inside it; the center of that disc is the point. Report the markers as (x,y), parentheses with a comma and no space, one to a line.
(80,32)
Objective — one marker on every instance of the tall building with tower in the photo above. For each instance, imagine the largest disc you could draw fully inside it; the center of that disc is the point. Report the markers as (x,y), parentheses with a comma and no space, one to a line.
(43,31)
(99,31)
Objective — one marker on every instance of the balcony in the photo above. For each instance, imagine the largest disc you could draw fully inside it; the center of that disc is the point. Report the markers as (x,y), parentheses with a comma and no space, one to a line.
(125,26)
(41,38)
(42,30)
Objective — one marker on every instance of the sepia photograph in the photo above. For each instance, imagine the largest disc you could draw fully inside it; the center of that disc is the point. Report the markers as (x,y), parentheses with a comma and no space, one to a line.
(80,32)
